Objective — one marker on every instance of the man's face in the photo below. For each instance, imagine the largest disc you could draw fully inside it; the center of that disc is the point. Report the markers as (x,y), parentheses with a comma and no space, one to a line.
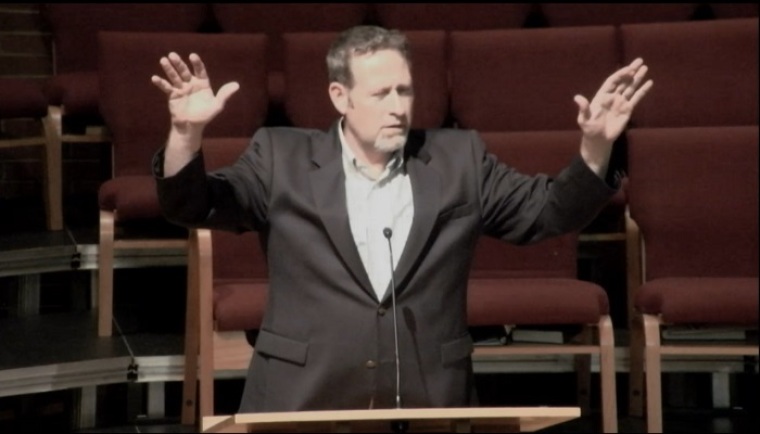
(378,108)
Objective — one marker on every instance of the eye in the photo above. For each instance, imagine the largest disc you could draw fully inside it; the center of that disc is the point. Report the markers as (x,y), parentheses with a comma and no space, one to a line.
(382,93)
(405,91)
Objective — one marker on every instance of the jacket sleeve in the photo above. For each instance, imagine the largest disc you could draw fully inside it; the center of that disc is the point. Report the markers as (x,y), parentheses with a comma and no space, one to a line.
(233,198)
(524,209)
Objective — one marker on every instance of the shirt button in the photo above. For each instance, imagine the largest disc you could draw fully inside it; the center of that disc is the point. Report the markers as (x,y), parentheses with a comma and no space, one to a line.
(381,311)
(371,364)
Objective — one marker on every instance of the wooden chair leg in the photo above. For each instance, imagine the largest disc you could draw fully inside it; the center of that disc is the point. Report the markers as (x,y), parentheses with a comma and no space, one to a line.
(636,367)
(607,374)
(190,384)
(582,364)
(105,273)
(652,356)
(634,278)
(53,175)
(206,323)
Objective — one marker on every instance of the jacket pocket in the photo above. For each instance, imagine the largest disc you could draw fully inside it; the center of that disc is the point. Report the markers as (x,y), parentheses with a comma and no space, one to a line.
(270,344)
(456,350)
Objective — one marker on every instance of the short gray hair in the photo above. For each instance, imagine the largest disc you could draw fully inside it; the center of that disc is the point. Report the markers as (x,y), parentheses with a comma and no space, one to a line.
(360,40)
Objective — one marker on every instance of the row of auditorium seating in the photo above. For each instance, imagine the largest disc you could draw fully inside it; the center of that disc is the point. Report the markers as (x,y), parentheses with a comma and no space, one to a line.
(520,80)
(74,28)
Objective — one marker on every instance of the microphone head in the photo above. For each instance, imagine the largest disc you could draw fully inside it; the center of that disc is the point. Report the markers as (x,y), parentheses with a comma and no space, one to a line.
(387,232)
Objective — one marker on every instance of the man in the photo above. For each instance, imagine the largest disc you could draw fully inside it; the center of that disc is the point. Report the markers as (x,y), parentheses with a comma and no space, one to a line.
(323,201)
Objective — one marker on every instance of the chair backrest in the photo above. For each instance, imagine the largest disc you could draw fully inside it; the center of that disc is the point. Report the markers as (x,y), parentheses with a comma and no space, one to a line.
(705,72)
(135,110)
(545,152)
(601,14)
(275,19)
(694,194)
(308,104)
(74,26)
(525,79)
(451,16)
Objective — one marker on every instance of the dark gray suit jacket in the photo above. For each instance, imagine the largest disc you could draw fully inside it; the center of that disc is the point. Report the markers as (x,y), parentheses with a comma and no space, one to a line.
(326,341)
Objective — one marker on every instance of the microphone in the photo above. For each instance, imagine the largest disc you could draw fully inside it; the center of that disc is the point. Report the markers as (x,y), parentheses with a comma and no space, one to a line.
(397,426)
(388,234)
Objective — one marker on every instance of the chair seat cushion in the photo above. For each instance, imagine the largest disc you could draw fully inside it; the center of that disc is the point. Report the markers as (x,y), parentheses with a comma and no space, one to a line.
(130,197)
(534,301)
(20,98)
(239,305)
(701,300)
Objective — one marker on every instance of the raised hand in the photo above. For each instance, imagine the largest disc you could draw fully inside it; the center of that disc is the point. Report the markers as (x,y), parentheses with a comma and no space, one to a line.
(603,119)
(192,103)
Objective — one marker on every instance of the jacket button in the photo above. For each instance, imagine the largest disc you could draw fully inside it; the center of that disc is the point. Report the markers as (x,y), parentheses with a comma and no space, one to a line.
(371,364)
(381,311)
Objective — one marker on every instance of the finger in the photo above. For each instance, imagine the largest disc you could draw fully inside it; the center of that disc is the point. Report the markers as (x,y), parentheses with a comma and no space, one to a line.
(621,77)
(199,69)
(636,63)
(584,112)
(162,84)
(641,92)
(171,73)
(637,79)
(226,91)
(180,66)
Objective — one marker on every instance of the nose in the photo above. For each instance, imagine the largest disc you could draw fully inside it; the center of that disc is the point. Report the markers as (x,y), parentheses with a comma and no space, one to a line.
(396,104)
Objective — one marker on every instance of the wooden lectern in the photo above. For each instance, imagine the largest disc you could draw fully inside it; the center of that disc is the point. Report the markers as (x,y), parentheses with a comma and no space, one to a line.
(459,420)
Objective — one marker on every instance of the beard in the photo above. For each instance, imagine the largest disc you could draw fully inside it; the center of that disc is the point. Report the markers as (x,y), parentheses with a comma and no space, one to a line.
(390,143)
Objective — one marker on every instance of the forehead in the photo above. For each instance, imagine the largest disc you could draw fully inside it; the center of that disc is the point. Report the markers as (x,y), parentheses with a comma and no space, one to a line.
(379,69)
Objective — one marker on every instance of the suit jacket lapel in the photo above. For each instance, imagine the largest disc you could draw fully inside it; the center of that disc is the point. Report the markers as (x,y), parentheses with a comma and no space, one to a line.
(329,191)
(426,193)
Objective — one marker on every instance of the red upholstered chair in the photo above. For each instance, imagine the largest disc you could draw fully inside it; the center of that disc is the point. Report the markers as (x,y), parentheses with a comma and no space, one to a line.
(693,246)
(227,293)
(307,102)
(22,99)
(538,284)
(275,19)
(135,112)
(451,16)
(72,91)
(599,14)
(706,72)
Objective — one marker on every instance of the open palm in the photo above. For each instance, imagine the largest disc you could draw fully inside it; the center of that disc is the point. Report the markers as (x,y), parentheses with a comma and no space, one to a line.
(192,102)
(603,119)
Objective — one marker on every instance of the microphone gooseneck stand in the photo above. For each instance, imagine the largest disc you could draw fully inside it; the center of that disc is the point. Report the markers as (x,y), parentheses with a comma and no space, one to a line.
(397,426)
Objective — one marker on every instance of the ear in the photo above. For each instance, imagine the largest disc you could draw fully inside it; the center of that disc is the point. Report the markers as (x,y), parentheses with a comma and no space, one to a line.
(339,97)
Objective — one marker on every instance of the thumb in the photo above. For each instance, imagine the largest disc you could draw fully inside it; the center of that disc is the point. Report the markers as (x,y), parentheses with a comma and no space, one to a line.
(584,112)
(226,91)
